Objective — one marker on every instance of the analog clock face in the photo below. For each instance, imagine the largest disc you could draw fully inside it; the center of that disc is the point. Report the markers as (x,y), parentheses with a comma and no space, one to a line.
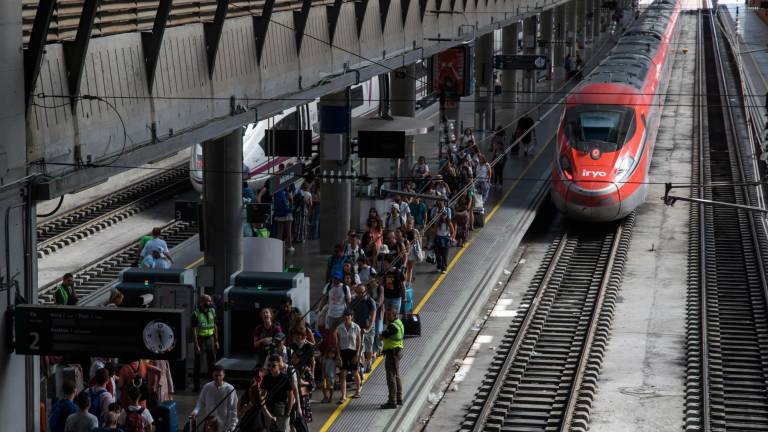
(159,337)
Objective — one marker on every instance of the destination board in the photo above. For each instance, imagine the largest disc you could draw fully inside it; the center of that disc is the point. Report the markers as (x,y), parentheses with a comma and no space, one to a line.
(130,333)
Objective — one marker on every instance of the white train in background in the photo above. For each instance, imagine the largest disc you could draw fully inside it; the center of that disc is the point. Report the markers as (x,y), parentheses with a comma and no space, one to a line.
(365,102)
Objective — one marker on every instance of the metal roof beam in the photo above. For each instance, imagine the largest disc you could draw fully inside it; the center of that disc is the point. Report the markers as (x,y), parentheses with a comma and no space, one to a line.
(300,22)
(75,51)
(384,12)
(261,25)
(212,33)
(422,10)
(332,13)
(404,6)
(361,7)
(33,54)
(152,41)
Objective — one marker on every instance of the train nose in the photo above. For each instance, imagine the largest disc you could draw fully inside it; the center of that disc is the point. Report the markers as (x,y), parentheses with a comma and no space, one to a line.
(603,207)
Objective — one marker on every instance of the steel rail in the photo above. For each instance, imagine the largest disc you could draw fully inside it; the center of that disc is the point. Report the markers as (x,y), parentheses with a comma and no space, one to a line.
(701,118)
(78,232)
(585,355)
(520,336)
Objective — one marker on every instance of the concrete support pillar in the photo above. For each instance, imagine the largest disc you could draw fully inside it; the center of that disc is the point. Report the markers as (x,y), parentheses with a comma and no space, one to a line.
(559,36)
(596,21)
(336,202)
(19,374)
(222,206)
(546,36)
(581,25)
(570,14)
(590,17)
(402,92)
(484,82)
(509,40)
(529,47)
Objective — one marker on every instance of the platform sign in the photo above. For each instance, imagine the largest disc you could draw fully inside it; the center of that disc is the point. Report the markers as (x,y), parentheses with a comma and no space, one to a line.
(187,211)
(525,62)
(100,332)
(286,177)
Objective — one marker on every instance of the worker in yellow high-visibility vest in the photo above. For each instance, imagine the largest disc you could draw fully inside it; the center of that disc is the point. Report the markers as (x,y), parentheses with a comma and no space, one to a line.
(393,336)
(206,335)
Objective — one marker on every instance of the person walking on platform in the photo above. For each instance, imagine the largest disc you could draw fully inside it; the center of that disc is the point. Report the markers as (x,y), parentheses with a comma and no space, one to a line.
(218,402)
(348,336)
(206,336)
(523,127)
(65,293)
(302,204)
(393,346)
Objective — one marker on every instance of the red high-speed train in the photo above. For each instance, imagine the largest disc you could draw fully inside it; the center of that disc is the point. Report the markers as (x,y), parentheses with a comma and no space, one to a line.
(608,128)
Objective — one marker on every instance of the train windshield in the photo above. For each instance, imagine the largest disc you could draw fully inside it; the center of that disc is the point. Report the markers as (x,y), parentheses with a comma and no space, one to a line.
(590,127)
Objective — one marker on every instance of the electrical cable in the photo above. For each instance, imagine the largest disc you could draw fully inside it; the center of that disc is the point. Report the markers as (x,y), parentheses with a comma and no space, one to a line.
(53,212)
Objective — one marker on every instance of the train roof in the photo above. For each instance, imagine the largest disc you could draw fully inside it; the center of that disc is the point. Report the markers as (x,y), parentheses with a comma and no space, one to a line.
(632,57)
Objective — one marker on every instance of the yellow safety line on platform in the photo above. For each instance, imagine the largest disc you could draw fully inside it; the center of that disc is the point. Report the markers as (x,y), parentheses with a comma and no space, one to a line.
(337,412)
(196,263)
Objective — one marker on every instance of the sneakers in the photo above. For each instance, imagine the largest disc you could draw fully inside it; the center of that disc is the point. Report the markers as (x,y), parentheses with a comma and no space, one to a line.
(443,271)
(291,249)
(400,402)
(389,405)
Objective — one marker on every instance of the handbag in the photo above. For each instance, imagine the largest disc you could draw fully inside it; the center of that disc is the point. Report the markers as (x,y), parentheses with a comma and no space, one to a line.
(418,252)
(431,258)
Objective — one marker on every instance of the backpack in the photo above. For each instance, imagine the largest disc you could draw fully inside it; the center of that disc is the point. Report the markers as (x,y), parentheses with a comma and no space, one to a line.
(134,420)
(55,419)
(95,408)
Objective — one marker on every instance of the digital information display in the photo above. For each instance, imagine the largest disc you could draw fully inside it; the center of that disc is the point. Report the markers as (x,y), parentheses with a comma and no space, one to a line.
(100,332)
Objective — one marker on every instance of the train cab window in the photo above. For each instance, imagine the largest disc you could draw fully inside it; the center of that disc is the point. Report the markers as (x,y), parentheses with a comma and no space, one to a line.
(595,126)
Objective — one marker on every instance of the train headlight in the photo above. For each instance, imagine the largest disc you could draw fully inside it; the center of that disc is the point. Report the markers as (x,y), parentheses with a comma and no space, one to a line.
(624,168)
(565,167)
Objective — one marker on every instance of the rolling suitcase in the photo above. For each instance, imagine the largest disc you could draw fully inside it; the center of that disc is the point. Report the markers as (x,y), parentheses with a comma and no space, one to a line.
(479,220)
(412,325)
(166,419)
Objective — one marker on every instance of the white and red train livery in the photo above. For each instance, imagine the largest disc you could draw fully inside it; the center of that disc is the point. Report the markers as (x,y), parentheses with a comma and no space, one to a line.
(608,128)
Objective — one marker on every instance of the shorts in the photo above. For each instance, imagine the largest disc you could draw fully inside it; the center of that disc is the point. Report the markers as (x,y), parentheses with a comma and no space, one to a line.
(393,303)
(349,360)
(368,341)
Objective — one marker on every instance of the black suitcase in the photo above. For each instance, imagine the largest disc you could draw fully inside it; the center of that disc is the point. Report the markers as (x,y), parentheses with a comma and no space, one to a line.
(412,325)
(479,219)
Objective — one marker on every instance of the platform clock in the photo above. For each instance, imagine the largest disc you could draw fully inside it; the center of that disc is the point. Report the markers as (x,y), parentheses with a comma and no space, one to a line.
(159,337)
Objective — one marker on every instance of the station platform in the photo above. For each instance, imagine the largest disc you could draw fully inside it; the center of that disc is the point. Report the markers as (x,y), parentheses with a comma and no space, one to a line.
(752,32)
(448,304)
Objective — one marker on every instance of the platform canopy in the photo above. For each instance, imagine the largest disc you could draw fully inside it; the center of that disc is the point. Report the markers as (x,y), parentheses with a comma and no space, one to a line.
(410,125)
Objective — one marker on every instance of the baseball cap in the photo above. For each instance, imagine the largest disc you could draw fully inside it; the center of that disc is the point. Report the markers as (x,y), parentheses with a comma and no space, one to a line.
(337,275)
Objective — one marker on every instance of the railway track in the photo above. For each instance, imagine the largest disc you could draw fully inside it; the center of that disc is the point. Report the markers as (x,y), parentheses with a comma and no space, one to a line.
(544,374)
(94,278)
(82,222)
(727,314)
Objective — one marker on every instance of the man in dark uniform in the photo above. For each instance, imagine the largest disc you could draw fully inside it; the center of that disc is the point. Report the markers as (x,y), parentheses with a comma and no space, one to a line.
(393,346)
(206,335)
(65,293)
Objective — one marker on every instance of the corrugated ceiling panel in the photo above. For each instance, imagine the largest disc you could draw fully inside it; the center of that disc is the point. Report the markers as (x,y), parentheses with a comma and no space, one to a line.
(124,16)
